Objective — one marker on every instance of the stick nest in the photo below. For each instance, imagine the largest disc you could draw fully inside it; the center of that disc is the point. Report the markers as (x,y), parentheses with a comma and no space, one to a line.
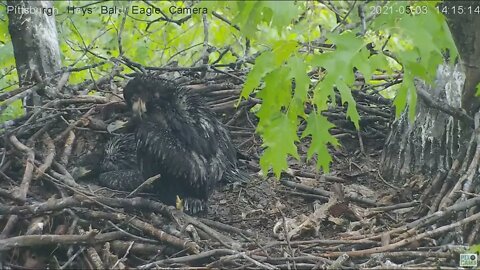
(349,218)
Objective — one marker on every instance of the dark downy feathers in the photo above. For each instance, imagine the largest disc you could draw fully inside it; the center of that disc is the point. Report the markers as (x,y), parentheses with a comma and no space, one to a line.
(119,165)
(179,138)
(115,167)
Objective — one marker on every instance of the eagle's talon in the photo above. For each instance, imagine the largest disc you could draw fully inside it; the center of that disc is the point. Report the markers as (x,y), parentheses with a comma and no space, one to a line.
(193,206)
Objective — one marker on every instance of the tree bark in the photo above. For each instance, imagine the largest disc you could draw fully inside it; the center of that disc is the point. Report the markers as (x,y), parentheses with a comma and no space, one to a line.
(35,44)
(430,143)
(438,147)
(465,30)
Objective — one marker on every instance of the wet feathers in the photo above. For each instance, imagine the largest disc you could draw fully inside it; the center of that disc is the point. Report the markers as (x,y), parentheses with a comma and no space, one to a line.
(178,137)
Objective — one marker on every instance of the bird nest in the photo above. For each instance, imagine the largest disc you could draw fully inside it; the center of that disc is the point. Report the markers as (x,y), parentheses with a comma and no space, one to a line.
(304,221)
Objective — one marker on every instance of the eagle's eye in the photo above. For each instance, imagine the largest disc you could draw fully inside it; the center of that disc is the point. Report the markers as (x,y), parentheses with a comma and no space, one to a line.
(138,106)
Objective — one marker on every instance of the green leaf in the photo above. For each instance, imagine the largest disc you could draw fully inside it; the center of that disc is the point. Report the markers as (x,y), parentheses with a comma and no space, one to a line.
(248,17)
(318,128)
(283,13)
(13,111)
(347,41)
(362,63)
(379,61)
(324,89)
(420,60)
(323,92)
(412,102)
(6,52)
(406,94)
(325,60)
(263,64)
(474,249)
(142,50)
(276,95)
(346,95)
(279,142)
(267,62)
(283,49)
(298,71)
(339,66)
(400,100)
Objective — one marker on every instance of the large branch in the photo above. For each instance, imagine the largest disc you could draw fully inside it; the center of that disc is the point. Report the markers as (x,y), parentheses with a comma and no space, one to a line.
(465,29)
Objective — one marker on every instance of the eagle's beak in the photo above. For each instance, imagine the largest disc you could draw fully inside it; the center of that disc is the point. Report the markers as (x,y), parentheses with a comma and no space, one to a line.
(139,107)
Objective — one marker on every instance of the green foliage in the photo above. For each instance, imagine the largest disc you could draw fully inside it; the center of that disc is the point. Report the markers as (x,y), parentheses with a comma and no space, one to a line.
(13,111)
(276,96)
(418,51)
(154,44)
(317,128)
(283,13)
(339,66)
(474,249)
(7,61)
(275,14)
(266,63)
(298,71)
(279,140)
(8,74)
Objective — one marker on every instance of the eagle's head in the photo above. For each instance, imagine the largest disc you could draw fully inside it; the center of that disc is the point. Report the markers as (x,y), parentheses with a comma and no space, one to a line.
(145,93)
(136,95)
(119,153)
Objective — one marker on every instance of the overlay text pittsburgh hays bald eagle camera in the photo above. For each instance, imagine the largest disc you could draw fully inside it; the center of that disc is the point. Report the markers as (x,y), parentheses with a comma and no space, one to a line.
(179,138)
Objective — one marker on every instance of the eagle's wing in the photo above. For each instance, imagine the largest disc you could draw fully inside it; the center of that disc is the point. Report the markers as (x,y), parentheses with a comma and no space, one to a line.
(193,127)
(126,180)
(161,151)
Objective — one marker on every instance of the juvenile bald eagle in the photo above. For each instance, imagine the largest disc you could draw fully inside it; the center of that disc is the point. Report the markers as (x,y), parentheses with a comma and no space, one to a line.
(179,138)
(118,167)
(115,166)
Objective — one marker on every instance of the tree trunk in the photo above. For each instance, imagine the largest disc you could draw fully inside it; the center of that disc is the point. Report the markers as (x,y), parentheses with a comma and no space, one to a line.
(431,142)
(465,30)
(35,42)
(438,146)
